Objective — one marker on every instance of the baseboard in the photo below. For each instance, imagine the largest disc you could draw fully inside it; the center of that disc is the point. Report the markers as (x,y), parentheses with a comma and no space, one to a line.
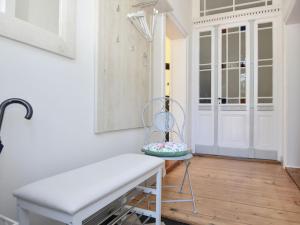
(237,152)
(269,161)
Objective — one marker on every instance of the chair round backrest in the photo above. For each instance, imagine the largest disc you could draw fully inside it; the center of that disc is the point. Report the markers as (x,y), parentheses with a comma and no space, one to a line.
(163,121)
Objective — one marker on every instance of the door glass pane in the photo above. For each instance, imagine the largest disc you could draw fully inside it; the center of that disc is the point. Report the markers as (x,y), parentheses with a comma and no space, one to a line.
(233,101)
(265,44)
(205,50)
(265,63)
(265,81)
(205,67)
(243,46)
(224,52)
(205,84)
(233,47)
(265,100)
(233,83)
(243,83)
(234,76)
(224,84)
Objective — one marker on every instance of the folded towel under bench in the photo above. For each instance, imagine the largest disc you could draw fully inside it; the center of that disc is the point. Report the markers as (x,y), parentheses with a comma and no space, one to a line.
(72,191)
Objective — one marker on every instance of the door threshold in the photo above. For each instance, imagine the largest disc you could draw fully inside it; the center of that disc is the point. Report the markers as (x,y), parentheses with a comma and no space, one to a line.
(238,158)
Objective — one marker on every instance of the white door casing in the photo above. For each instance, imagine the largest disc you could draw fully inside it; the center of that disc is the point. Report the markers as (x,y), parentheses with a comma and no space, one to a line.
(243,130)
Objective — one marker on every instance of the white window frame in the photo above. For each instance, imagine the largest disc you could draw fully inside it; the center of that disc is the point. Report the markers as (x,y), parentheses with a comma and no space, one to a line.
(62,43)
(233,6)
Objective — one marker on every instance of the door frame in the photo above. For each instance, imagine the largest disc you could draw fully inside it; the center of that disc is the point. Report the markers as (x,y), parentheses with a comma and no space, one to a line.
(277,85)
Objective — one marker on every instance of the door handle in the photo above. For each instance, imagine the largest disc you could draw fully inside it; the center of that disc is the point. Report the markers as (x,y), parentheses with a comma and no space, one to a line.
(222,100)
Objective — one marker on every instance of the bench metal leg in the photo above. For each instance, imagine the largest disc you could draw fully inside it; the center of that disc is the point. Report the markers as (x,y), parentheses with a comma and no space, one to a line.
(23,216)
(76,222)
(158,197)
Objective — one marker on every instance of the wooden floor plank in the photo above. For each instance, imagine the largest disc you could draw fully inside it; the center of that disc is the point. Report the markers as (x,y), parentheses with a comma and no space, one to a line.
(230,192)
(295,175)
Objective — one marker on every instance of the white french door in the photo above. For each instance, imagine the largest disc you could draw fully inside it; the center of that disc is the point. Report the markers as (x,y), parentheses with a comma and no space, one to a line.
(233,91)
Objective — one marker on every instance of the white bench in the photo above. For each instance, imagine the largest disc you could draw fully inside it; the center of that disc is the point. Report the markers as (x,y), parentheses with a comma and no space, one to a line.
(74,196)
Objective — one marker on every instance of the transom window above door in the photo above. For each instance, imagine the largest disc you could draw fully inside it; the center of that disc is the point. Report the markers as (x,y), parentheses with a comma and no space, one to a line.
(212,7)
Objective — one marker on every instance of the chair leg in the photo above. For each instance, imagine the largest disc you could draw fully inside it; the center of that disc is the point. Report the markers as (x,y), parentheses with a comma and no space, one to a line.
(187,164)
(23,216)
(192,192)
(76,222)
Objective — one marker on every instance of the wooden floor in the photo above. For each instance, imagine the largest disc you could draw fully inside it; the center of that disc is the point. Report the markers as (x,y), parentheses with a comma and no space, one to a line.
(295,175)
(232,192)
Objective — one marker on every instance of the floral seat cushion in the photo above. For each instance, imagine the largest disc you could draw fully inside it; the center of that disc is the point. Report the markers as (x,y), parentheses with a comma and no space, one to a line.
(166,149)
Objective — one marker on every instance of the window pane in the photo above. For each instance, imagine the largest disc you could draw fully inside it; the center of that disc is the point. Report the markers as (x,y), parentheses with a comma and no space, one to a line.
(265,44)
(253,5)
(205,84)
(42,13)
(233,83)
(201,5)
(205,50)
(265,81)
(213,4)
(233,47)
(2,6)
(222,6)
(244,1)
(217,11)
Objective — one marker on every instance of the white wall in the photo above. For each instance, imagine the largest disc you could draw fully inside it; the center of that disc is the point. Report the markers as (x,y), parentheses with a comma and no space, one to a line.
(292,95)
(60,135)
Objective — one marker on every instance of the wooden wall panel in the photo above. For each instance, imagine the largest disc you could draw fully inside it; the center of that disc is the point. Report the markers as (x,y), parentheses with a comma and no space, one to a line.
(123,68)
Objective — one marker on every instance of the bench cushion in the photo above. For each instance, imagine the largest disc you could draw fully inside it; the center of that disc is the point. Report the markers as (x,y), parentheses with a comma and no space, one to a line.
(75,190)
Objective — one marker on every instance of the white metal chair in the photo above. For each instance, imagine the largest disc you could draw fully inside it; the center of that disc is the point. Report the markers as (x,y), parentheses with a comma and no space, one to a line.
(161,126)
